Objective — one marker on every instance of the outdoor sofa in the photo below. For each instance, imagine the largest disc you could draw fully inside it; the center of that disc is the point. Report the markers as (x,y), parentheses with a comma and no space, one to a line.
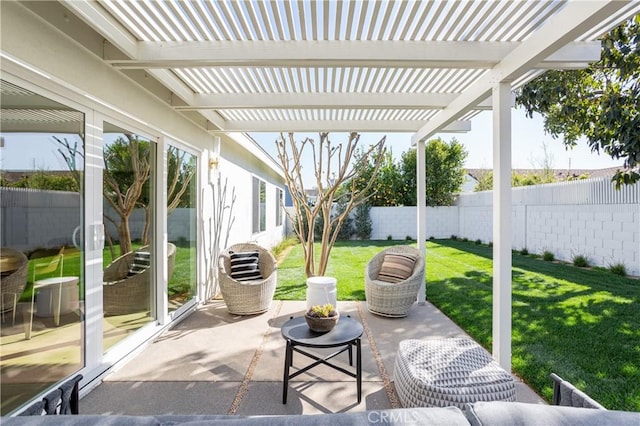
(480,413)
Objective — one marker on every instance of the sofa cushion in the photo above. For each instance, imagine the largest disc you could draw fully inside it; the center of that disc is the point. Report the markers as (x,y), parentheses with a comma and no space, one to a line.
(396,267)
(403,416)
(245,265)
(499,413)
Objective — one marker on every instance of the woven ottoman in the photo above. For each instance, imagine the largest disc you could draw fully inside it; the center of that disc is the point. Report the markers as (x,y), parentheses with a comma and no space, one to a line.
(449,372)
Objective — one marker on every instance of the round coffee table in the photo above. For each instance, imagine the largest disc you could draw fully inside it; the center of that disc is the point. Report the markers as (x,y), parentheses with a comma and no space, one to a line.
(344,336)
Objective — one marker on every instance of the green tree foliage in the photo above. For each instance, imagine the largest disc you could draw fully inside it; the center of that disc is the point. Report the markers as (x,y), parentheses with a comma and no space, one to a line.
(445,171)
(444,165)
(384,191)
(601,103)
(395,184)
(363,225)
(485,181)
(46,181)
(408,172)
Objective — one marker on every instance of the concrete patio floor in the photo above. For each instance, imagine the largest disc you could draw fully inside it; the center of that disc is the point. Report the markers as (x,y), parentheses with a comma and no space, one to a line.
(217,363)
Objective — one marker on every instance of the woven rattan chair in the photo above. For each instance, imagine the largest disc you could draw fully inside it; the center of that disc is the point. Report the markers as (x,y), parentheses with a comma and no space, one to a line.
(392,299)
(14,281)
(248,297)
(124,293)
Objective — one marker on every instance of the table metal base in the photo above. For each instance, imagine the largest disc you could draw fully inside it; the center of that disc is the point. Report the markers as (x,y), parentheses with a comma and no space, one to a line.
(293,346)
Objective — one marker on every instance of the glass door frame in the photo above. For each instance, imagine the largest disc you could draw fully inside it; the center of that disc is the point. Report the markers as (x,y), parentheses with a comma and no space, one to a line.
(96,362)
(121,349)
(191,304)
(14,73)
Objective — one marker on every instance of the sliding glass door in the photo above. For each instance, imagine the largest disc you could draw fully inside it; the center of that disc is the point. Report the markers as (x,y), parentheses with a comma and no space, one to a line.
(128,290)
(181,226)
(42,274)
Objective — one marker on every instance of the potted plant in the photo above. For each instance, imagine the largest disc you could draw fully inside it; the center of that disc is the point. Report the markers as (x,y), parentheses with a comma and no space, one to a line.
(322,318)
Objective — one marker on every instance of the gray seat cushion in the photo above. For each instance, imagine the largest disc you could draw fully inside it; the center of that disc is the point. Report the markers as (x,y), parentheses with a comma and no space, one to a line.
(518,413)
(410,417)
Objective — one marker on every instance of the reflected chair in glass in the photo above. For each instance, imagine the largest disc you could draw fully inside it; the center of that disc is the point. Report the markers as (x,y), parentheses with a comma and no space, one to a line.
(126,286)
(49,284)
(248,297)
(46,268)
(13,280)
(392,299)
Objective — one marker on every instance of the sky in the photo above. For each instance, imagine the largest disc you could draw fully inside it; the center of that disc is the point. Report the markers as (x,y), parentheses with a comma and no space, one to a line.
(528,137)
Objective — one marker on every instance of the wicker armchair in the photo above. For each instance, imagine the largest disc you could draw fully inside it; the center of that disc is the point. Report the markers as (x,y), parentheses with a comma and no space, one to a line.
(13,281)
(248,297)
(392,299)
(123,293)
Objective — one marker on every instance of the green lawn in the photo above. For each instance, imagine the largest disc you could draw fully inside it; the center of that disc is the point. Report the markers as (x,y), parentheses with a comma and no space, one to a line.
(179,283)
(347,262)
(582,324)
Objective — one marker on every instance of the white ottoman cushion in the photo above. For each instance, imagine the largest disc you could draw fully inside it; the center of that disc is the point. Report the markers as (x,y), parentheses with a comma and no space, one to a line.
(449,372)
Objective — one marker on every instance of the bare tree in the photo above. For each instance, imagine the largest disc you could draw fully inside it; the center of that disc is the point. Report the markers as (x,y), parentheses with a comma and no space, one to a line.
(179,175)
(126,171)
(336,172)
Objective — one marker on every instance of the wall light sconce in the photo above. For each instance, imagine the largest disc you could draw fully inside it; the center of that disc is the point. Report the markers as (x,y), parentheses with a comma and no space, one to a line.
(213,163)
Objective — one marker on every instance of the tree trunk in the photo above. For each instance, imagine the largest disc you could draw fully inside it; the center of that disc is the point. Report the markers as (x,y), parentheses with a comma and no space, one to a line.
(147,226)
(124,234)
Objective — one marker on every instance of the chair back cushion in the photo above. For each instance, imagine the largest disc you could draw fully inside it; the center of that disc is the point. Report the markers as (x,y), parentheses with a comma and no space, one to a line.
(245,265)
(396,267)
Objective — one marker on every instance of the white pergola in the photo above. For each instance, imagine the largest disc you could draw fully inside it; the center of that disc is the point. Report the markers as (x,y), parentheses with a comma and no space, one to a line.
(369,65)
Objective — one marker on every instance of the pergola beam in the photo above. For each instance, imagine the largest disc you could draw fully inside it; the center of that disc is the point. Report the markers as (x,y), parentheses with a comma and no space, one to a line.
(222,101)
(328,53)
(320,100)
(108,27)
(388,126)
(573,20)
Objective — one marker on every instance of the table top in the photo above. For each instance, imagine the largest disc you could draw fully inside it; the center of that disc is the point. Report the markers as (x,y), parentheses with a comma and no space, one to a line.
(346,330)
(55,280)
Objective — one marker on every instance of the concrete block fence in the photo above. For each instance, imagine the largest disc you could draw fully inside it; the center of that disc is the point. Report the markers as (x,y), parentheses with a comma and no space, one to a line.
(588,218)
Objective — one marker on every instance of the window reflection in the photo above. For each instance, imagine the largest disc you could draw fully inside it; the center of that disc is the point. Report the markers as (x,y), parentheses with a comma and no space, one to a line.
(181,218)
(41,267)
(128,181)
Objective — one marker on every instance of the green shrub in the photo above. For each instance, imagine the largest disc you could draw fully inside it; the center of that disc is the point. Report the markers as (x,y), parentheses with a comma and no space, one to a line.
(465,239)
(580,261)
(363,222)
(478,241)
(454,237)
(524,251)
(618,269)
(548,256)
(432,237)
(389,238)
(490,244)
(408,238)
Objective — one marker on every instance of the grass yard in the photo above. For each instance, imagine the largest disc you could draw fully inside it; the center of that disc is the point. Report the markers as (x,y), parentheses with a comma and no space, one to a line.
(347,262)
(582,324)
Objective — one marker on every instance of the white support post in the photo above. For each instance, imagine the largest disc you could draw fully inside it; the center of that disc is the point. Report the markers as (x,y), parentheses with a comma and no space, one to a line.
(422,212)
(502,224)
(161,232)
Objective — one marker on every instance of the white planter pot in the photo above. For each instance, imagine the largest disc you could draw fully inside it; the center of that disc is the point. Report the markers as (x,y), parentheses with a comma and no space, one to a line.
(321,290)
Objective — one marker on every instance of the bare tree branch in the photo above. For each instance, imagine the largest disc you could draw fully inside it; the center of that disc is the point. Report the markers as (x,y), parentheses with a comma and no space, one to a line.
(333,168)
